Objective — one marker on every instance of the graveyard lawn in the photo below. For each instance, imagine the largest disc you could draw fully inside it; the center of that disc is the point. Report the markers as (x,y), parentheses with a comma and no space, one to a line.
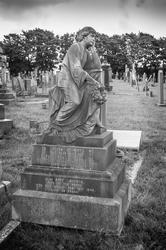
(145,223)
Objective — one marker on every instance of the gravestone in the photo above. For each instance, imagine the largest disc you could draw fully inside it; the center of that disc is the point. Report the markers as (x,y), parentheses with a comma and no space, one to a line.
(81,185)
(106,76)
(5,204)
(6,97)
(5,124)
(161,89)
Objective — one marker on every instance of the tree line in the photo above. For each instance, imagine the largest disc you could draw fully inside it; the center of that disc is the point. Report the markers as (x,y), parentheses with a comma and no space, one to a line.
(44,50)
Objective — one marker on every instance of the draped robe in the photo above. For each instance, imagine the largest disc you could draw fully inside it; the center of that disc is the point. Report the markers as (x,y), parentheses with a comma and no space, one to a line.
(73,112)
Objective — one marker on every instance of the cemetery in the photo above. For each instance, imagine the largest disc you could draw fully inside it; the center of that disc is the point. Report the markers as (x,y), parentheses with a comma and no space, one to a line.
(101,191)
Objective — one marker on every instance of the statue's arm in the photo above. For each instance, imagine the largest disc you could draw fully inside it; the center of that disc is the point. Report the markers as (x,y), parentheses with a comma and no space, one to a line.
(78,73)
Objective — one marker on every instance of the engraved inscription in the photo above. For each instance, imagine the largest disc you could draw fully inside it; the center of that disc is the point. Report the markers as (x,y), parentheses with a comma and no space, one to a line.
(79,158)
(62,185)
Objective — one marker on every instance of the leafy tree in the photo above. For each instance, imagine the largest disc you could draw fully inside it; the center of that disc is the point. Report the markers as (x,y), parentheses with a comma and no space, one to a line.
(40,48)
(66,41)
(31,49)
(13,48)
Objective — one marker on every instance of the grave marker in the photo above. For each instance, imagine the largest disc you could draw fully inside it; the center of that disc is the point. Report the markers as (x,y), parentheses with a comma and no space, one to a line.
(161,89)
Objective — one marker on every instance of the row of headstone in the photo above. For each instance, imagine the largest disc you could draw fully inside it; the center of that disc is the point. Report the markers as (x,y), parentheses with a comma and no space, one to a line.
(31,83)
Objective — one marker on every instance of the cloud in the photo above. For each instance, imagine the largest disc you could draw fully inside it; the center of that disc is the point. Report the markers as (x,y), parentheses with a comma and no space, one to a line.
(139,3)
(28,4)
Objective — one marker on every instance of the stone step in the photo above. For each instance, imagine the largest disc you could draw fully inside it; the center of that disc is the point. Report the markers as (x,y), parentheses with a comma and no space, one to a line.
(7,101)
(91,158)
(78,182)
(2,111)
(6,96)
(4,91)
(6,125)
(73,211)
(98,140)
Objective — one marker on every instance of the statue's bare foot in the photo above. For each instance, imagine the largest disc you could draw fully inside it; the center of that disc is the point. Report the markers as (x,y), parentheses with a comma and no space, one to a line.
(100,128)
(99,124)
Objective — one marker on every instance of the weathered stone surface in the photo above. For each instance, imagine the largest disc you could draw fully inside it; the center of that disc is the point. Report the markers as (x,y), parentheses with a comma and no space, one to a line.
(5,205)
(72,211)
(7,101)
(6,125)
(2,90)
(6,96)
(5,214)
(98,140)
(2,111)
(70,181)
(74,156)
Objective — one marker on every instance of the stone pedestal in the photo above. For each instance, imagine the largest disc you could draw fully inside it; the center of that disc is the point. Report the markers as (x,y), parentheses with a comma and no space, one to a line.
(5,124)
(6,97)
(80,186)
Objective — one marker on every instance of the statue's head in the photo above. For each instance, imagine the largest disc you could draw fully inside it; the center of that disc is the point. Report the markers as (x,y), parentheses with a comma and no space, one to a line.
(84,32)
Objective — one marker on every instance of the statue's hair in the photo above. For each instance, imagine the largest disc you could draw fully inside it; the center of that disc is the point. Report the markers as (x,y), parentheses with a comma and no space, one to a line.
(84,32)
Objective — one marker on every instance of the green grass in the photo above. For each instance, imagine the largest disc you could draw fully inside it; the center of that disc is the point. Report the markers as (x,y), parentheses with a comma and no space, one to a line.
(145,222)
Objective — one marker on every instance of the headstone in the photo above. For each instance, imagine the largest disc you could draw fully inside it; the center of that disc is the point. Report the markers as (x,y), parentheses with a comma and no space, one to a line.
(6,97)
(161,89)
(5,124)
(116,75)
(28,85)
(110,74)
(105,76)
(126,73)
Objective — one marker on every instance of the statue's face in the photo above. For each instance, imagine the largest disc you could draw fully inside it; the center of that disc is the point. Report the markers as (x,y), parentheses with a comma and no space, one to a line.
(90,40)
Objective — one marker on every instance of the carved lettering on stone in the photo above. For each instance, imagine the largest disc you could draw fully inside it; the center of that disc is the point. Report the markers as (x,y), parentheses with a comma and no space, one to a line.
(79,158)
(62,185)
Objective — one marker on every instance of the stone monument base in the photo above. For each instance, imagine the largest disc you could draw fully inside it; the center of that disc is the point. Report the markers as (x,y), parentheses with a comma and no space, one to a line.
(5,205)
(79,186)
(73,211)
(6,97)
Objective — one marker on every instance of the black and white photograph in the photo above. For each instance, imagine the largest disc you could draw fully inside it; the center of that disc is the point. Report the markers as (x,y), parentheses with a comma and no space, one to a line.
(83,124)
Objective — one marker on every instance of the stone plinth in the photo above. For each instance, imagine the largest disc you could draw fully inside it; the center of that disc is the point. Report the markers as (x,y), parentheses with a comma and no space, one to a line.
(86,183)
(5,205)
(6,97)
(73,211)
(98,140)
(80,186)
(74,156)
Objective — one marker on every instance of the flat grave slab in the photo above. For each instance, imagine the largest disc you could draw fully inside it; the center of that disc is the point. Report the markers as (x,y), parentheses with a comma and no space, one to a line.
(130,139)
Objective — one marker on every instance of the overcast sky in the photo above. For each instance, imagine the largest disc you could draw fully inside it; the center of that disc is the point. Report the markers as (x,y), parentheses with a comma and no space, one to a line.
(106,16)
